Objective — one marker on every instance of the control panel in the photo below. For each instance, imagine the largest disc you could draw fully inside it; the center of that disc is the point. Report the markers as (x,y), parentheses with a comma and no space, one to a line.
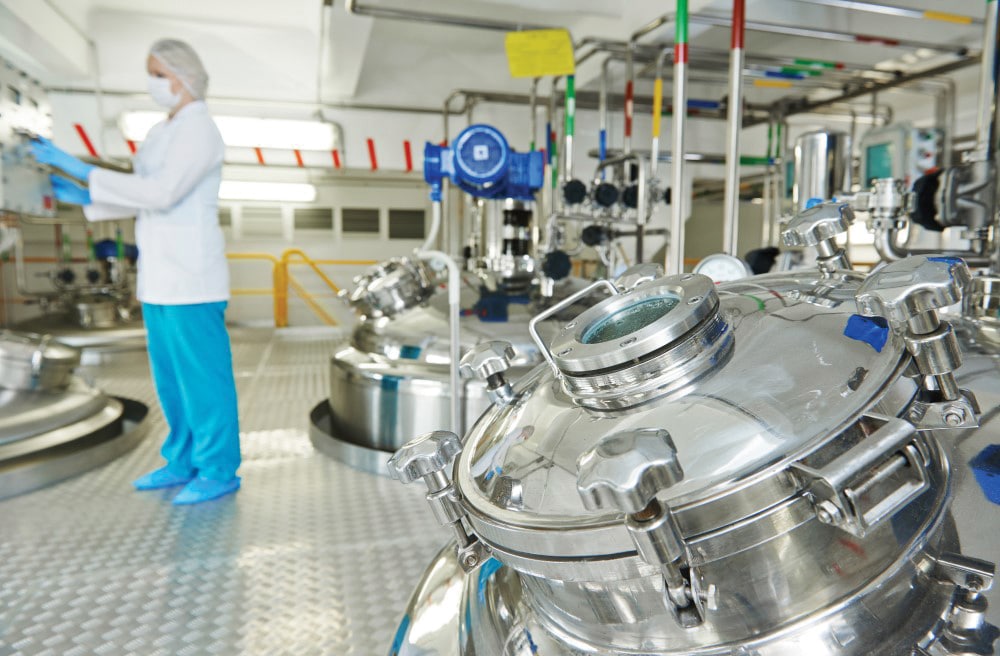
(24,111)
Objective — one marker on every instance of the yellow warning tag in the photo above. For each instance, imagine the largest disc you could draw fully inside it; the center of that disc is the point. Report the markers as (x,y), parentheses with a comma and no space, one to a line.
(539,53)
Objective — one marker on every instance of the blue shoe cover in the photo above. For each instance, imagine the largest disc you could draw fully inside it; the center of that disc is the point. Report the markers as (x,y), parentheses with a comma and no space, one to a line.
(161,478)
(205,489)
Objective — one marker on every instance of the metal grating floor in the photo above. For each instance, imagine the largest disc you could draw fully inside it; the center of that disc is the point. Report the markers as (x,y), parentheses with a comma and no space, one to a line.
(310,557)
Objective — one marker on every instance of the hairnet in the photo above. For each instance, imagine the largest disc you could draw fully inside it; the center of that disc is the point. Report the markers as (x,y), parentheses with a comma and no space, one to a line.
(183,62)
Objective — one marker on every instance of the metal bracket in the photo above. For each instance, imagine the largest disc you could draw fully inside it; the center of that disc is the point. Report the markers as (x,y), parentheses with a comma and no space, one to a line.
(870,482)
(960,413)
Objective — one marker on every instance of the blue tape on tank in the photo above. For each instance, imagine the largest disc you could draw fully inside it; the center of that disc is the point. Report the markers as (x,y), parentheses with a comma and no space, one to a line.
(397,641)
(873,331)
(986,467)
(486,572)
(409,352)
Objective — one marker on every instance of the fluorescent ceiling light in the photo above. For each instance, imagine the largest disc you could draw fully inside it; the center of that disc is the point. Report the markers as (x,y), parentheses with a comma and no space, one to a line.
(286,192)
(245,131)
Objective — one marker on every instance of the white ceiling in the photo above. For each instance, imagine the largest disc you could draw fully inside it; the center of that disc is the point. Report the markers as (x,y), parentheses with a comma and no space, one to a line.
(271,50)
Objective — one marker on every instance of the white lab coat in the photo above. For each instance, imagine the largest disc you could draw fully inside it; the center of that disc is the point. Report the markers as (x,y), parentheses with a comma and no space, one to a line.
(174,195)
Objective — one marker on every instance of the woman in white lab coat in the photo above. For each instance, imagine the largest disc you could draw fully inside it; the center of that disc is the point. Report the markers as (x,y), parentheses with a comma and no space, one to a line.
(183,279)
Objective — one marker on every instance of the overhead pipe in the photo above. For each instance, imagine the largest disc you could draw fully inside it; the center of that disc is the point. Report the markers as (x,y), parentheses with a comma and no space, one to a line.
(734,125)
(675,247)
(892,10)
(396,13)
(806,106)
(807,32)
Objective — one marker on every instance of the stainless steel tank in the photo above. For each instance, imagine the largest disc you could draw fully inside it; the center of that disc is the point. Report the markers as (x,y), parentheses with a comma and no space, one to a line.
(53,424)
(822,166)
(390,380)
(754,467)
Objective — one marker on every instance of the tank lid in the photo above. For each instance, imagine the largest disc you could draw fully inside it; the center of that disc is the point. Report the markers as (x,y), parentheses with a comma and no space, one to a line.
(782,378)
(27,347)
(391,287)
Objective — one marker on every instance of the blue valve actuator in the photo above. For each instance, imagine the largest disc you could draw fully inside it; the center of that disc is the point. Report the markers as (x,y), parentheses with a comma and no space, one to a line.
(481,163)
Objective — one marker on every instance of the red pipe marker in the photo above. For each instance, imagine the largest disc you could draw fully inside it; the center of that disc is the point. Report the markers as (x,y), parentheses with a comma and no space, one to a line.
(739,24)
(85,139)
(298,158)
(260,156)
(336,158)
(628,108)
(409,156)
(371,154)
(680,53)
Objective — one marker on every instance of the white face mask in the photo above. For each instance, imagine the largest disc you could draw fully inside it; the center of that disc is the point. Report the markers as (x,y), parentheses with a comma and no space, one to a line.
(159,90)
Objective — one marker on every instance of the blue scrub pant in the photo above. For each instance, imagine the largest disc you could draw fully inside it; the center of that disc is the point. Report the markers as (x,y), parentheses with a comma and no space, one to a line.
(193,370)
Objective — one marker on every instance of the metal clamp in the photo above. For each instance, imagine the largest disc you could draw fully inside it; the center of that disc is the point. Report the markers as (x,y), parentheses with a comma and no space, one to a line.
(559,307)
(966,631)
(887,203)
(428,457)
(870,482)
(626,471)
(488,362)
(819,226)
(908,294)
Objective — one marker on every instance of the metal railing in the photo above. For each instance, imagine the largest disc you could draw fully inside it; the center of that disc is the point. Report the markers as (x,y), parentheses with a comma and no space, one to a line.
(284,280)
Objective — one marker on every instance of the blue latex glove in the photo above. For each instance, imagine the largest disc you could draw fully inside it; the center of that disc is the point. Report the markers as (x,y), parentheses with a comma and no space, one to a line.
(46,152)
(68,191)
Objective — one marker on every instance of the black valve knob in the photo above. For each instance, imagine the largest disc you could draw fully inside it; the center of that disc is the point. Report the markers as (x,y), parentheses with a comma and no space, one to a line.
(574,192)
(630,197)
(557,265)
(605,194)
(595,235)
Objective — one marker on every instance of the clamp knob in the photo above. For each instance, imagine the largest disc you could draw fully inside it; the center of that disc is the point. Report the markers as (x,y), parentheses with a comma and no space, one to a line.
(818,224)
(488,361)
(637,274)
(908,293)
(627,470)
(424,456)
(427,457)
(911,287)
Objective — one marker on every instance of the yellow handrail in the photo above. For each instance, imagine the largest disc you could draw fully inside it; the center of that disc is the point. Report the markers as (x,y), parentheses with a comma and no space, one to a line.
(276,280)
(283,280)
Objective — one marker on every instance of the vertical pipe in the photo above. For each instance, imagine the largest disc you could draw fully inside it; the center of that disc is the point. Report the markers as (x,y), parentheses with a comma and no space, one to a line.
(987,83)
(533,124)
(570,126)
(735,124)
(454,310)
(629,100)
(602,114)
(654,149)
(553,147)
(675,250)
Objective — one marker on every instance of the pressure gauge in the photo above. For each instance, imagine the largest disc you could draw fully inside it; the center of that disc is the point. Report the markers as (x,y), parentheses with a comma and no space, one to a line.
(723,268)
